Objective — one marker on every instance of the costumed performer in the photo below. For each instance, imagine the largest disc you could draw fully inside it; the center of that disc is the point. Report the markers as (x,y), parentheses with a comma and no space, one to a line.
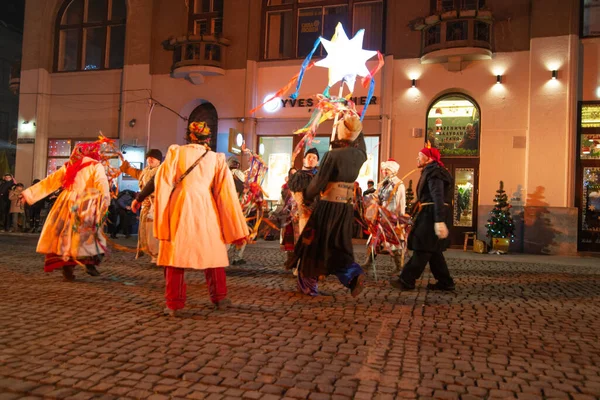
(236,255)
(325,244)
(196,214)
(390,195)
(147,243)
(288,218)
(429,235)
(298,183)
(72,234)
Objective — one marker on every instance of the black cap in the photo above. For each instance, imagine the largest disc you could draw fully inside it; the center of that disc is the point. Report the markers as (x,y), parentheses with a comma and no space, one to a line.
(312,151)
(155,153)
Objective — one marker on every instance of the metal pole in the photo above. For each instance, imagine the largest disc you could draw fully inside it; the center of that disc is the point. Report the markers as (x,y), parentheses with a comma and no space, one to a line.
(148,125)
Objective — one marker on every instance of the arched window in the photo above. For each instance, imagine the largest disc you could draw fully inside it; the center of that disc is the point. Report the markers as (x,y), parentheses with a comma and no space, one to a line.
(90,35)
(206,112)
(453,123)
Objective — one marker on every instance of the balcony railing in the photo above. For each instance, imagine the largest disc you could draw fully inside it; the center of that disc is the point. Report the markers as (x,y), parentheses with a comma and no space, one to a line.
(465,33)
(197,50)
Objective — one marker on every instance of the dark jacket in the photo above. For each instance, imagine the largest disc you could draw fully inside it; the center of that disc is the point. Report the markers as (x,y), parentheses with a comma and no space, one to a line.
(435,186)
(124,200)
(5,187)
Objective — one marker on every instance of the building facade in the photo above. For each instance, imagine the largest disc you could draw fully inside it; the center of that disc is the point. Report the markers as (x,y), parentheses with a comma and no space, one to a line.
(10,54)
(508,91)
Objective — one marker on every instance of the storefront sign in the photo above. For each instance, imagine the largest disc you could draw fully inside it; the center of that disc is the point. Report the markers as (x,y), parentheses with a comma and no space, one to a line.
(310,102)
(26,140)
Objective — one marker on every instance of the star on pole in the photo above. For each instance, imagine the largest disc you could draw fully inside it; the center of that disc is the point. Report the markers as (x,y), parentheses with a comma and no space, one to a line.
(345,57)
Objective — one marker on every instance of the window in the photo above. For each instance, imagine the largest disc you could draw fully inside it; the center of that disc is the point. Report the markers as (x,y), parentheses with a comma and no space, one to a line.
(457,31)
(206,17)
(293,26)
(59,151)
(440,6)
(591,18)
(90,35)
(277,153)
(453,123)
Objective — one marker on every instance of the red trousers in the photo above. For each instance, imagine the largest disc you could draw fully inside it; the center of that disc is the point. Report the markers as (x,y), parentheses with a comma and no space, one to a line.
(175,287)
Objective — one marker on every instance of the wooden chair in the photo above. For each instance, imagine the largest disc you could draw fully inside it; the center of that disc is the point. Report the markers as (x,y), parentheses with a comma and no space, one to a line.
(469,235)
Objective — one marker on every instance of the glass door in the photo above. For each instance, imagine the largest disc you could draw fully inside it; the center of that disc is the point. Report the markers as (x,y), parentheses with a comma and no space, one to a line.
(588,177)
(464,200)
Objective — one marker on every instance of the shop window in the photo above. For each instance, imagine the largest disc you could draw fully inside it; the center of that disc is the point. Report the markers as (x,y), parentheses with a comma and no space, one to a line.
(590,132)
(206,17)
(318,19)
(59,151)
(277,154)
(453,124)
(370,168)
(591,18)
(90,35)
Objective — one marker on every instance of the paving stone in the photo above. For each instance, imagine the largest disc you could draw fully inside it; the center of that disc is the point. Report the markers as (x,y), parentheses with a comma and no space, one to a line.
(511,329)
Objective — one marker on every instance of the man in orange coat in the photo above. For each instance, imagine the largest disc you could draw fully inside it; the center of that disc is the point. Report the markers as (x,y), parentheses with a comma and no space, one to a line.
(196,214)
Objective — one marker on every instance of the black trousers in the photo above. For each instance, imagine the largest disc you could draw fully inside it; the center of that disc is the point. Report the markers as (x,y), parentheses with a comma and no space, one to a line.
(416,265)
(124,222)
(5,220)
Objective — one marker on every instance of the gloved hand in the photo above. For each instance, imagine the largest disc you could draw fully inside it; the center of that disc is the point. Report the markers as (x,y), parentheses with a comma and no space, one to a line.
(441,230)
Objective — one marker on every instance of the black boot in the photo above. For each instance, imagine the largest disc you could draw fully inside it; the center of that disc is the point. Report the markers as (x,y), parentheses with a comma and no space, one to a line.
(67,272)
(91,270)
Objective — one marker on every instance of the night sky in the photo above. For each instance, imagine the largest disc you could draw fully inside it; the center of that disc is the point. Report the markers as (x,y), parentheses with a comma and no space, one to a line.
(12,13)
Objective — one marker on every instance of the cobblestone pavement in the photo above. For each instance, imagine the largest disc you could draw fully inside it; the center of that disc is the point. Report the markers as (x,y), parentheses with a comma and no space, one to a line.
(511,330)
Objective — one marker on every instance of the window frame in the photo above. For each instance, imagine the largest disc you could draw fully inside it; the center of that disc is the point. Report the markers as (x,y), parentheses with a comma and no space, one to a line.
(73,142)
(582,20)
(105,23)
(210,17)
(295,6)
(458,5)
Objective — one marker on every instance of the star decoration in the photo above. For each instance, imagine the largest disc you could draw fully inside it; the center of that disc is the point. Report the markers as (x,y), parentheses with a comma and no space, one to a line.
(592,208)
(345,57)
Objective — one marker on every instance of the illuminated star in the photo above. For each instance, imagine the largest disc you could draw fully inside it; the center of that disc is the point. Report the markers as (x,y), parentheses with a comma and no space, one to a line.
(592,208)
(345,57)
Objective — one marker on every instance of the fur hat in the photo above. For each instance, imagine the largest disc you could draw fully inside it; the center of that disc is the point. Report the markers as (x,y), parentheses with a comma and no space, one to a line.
(155,153)
(349,128)
(312,150)
(391,165)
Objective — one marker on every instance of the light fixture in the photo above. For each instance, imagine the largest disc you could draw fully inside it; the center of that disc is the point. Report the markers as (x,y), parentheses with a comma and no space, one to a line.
(132,123)
(554,74)
(414,83)
(273,105)
(498,79)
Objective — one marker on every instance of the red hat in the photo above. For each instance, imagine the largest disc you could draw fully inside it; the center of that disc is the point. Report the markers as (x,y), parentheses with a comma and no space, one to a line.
(432,153)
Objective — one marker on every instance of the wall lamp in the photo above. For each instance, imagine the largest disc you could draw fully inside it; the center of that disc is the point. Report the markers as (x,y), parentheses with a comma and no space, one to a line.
(498,79)
(414,83)
(554,74)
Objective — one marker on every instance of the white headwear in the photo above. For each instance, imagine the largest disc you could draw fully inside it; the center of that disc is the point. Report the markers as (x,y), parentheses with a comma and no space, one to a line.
(391,165)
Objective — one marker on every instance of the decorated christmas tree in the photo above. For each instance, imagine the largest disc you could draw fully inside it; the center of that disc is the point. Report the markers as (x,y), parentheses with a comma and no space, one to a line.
(410,197)
(500,224)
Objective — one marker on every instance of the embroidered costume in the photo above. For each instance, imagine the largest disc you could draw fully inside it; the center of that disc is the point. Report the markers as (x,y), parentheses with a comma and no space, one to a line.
(72,234)
(325,244)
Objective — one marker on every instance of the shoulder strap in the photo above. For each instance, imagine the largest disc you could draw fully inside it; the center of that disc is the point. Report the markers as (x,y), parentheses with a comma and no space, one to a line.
(182,177)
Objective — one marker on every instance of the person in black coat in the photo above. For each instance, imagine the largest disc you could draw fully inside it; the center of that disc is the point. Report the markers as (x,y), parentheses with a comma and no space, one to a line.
(6,186)
(325,245)
(428,238)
